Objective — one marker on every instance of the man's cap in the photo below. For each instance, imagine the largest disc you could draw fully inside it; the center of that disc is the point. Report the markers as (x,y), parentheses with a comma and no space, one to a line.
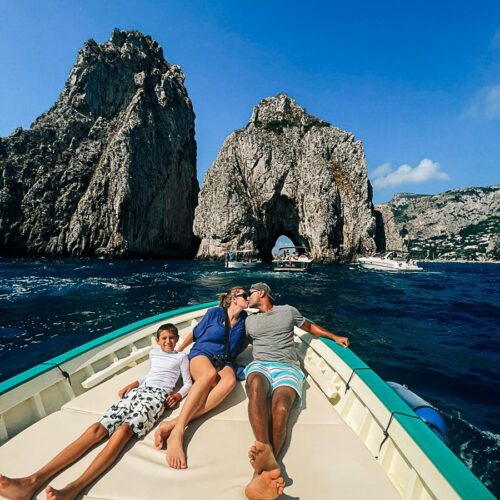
(263,287)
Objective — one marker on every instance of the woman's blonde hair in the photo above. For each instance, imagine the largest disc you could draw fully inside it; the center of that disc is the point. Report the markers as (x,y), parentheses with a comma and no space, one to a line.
(225,298)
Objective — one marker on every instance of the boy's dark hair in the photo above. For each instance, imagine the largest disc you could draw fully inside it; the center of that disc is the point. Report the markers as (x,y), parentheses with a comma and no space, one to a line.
(167,327)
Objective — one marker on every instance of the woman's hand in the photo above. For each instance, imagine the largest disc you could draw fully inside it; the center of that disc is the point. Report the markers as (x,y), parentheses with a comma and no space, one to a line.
(173,400)
(187,340)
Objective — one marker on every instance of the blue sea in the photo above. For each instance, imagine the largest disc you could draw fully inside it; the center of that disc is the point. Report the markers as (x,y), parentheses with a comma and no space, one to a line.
(437,331)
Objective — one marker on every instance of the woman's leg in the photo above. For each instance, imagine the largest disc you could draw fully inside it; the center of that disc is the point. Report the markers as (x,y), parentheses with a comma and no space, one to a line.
(27,486)
(106,457)
(222,389)
(205,376)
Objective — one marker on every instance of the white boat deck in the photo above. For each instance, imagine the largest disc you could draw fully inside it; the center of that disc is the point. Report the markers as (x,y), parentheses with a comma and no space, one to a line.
(324,457)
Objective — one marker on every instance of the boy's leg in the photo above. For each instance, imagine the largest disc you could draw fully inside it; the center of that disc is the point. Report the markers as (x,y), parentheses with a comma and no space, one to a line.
(215,397)
(106,457)
(27,486)
(205,376)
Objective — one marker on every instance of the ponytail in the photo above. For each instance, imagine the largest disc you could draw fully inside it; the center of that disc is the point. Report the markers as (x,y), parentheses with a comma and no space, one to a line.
(225,298)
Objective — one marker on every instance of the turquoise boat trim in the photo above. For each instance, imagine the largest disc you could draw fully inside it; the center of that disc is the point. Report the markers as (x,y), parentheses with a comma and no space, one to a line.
(460,478)
(46,366)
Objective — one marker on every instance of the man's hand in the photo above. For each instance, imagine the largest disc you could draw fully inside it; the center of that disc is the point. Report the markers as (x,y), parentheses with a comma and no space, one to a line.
(343,341)
(173,400)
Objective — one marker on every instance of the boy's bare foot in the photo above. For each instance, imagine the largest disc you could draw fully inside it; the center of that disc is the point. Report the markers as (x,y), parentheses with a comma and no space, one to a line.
(176,457)
(265,486)
(163,432)
(262,457)
(53,494)
(16,488)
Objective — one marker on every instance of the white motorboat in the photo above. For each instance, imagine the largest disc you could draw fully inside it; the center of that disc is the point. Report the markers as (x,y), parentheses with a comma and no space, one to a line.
(392,260)
(241,259)
(292,258)
(354,438)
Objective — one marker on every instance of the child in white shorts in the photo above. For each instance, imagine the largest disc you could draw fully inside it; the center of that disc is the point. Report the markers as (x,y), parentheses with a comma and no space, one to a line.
(141,404)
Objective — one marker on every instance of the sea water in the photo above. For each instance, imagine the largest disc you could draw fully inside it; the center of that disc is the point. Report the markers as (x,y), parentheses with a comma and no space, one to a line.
(437,331)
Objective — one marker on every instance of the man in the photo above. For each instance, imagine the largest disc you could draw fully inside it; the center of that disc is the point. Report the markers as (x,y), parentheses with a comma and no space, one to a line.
(274,384)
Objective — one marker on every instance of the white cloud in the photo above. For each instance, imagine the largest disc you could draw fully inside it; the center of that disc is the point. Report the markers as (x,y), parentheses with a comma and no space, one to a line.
(486,103)
(426,170)
(492,102)
(495,42)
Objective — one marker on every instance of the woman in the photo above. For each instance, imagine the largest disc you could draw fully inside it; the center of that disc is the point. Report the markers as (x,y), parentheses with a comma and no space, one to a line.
(214,378)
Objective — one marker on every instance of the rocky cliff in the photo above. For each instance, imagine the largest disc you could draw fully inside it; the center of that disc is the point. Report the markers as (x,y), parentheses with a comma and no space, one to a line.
(287,172)
(463,224)
(110,169)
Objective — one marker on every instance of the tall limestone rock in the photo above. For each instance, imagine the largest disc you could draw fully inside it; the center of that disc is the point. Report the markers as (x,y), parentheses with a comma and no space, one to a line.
(287,172)
(110,169)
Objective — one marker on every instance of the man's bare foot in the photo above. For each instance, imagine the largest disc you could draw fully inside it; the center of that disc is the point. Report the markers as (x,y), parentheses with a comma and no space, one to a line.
(163,432)
(265,486)
(262,457)
(17,488)
(176,457)
(53,494)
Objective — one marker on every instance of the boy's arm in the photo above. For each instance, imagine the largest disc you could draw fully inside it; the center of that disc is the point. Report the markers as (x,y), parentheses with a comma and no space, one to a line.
(128,388)
(174,399)
(319,331)
(188,340)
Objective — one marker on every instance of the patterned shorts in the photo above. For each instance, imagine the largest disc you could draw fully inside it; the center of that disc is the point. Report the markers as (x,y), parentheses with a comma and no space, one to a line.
(140,408)
(279,375)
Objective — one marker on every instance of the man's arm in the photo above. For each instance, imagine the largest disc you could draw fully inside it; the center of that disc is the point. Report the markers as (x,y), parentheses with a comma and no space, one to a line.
(128,388)
(319,331)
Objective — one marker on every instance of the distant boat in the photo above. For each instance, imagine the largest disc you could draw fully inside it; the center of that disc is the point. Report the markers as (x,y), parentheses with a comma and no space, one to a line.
(293,258)
(392,261)
(241,259)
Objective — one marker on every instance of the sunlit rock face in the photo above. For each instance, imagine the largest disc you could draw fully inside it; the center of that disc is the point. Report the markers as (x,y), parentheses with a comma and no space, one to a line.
(110,169)
(287,172)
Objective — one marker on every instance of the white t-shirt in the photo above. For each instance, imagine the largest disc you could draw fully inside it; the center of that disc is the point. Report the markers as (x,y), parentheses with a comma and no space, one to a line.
(165,370)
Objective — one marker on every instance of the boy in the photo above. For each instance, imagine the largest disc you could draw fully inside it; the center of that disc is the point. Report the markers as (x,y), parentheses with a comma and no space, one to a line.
(142,402)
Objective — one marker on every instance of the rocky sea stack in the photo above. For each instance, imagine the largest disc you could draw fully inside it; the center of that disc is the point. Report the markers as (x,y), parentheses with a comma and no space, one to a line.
(110,169)
(287,172)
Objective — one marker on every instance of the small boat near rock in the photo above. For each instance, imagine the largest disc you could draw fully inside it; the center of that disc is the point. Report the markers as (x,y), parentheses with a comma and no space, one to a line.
(241,259)
(293,259)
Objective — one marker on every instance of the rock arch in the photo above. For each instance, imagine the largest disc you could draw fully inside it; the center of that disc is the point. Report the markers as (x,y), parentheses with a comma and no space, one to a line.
(287,172)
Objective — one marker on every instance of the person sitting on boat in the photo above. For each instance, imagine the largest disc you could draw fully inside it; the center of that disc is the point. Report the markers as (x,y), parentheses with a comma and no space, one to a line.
(211,362)
(141,404)
(274,384)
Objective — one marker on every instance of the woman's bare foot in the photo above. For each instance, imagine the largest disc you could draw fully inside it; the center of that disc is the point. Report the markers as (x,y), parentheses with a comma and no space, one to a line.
(53,494)
(163,432)
(262,457)
(265,486)
(176,458)
(17,488)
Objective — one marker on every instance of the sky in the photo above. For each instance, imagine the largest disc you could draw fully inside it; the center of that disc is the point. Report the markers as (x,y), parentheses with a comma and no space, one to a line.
(417,82)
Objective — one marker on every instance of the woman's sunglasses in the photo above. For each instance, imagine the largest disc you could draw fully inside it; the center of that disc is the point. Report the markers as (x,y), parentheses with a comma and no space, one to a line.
(242,294)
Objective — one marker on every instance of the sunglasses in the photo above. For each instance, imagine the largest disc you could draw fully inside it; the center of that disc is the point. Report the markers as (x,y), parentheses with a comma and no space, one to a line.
(243,295)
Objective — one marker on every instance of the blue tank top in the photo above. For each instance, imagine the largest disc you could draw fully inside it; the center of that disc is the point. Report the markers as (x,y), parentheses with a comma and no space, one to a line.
(209,335)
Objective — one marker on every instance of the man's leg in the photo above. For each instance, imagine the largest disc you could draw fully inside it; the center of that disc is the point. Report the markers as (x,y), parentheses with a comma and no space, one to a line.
(266,482)
(106,457)
(26,487)
(281,405)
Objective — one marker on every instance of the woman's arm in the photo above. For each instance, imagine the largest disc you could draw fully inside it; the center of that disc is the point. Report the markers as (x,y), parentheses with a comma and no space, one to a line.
(187,340)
